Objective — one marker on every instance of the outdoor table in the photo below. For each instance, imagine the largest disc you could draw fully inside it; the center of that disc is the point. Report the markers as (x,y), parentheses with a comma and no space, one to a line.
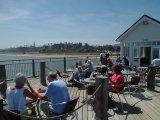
(97,67)
(110,73)
(128,72)
(70,70)
(124,72)
(89,80)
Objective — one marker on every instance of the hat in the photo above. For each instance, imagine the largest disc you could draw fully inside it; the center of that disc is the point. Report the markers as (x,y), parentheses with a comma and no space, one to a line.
(89,62)
(123,57)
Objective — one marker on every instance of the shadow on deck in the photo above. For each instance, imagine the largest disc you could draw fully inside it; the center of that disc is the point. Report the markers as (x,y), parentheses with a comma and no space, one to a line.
(138,106)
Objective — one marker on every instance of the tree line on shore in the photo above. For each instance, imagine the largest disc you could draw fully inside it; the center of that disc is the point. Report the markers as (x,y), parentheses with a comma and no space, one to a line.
(64,47)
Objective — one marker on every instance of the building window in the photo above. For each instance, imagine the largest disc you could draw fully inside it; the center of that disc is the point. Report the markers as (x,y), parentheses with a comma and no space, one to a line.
(158,42)
(155,52)
(154,43)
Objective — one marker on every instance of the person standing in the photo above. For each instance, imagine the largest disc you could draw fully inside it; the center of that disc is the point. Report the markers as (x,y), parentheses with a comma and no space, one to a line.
(103,58)
(156,62)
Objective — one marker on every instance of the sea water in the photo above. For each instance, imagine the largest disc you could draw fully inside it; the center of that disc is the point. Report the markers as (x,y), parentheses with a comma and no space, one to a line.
(23,64)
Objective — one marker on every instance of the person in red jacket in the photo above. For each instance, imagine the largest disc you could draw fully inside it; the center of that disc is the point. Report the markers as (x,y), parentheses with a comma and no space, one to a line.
(116,79)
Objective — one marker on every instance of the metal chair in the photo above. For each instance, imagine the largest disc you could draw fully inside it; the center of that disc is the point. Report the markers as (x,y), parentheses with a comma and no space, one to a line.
(3,86)
(69,107)
(118,92)
(133,83)
(143,72)
(90,89)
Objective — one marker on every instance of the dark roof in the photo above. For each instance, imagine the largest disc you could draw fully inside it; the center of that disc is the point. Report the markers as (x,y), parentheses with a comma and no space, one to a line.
(136,23)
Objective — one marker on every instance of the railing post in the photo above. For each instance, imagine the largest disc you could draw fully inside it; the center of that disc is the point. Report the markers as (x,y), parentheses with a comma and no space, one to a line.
(33,68)
(43,73)
(1,109)
(2,77)
(3,72)
(64,64)
(101,98)
(151,78)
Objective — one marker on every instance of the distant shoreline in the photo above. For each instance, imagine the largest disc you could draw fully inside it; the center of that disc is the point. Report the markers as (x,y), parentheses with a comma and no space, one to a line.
(35,54)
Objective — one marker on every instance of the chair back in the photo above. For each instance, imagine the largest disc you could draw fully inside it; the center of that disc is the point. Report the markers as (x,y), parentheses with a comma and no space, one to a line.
(70,105)
(87,75)
(135,80)
(3,86)
(90,89)
(116,88)
(9,116)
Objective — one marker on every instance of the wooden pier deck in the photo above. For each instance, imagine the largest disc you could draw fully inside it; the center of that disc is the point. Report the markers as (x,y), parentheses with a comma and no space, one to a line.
(143,106)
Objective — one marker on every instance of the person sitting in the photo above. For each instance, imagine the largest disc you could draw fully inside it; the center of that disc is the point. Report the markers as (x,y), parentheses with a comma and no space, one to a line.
(88,70)
(118,60)
(156,62)
(76,75)
(101,71)
(104,70)
(16,96)
(116,79)
(109,63)
(56,92)
(125,63)
(94,74)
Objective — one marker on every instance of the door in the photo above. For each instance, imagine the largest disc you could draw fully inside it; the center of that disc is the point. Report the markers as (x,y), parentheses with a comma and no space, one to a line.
(145,56)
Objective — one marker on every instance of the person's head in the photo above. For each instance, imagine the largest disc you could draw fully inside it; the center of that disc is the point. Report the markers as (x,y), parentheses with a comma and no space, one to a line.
(118,57)
(79,68)
(76,64)
(155,57)
(51,76)
(116,68)
(20,79)
(107,55)
(103,69)
(89,62)
(124,57)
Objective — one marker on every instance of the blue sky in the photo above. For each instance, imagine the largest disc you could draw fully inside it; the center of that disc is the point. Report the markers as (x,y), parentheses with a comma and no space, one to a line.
(96,22)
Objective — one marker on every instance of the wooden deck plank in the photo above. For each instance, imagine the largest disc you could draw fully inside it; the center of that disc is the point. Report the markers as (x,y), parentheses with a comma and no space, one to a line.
(147,108)
(136,108)
(126,109)
(139,115)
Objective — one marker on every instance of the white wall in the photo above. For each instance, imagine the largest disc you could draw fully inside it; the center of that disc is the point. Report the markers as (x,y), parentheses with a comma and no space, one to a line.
(151,32)
(140,32)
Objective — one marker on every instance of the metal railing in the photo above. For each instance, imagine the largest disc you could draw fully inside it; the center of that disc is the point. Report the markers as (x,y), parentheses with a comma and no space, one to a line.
(31,67)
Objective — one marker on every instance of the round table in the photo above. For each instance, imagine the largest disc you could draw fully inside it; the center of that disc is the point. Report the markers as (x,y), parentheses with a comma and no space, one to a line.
(128,72)
(70,70)
(89,81)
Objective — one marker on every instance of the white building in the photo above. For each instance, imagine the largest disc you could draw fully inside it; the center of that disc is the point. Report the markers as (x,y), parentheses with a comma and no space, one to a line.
(140,43)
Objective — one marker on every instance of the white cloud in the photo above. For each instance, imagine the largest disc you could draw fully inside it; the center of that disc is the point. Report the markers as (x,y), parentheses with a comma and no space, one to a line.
(13,14)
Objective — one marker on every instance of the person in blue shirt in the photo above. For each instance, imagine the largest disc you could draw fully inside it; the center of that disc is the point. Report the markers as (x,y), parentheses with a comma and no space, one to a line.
(56,92)
(156,62)
(88,70)
(118,60)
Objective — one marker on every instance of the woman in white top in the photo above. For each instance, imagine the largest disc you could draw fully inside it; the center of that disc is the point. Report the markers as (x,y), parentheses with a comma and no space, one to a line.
(16,96)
